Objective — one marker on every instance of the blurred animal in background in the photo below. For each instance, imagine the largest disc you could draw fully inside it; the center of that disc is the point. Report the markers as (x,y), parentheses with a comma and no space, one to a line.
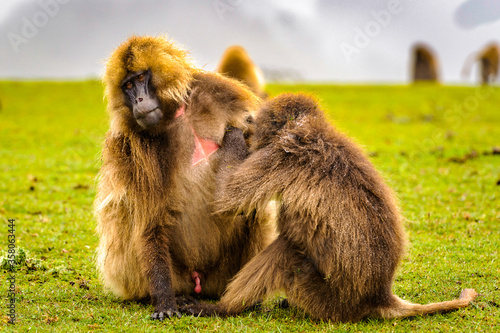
(489,61)
(424,64)
(341,236)
(159,236)
(236,63)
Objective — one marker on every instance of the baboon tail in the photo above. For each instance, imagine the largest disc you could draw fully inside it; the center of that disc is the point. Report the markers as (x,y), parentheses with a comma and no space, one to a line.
(261,276)
(401,308)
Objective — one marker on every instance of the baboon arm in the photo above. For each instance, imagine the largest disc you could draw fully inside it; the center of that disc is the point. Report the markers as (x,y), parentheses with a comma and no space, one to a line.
(156,262)
(249,185)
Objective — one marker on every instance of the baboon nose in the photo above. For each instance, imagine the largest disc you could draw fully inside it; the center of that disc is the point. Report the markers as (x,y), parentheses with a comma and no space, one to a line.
(139,99)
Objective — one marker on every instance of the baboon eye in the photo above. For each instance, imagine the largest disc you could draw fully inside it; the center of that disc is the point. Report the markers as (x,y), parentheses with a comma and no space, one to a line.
(140,78)
(129,85)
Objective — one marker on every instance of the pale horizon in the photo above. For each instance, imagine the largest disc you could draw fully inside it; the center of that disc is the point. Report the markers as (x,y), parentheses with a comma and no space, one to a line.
(321,41)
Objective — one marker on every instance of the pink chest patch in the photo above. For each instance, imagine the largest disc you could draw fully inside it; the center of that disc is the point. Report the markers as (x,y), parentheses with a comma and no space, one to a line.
(203,148)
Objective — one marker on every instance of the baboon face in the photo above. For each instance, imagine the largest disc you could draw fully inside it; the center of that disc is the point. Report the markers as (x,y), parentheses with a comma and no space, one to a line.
(146,79)
(140,96)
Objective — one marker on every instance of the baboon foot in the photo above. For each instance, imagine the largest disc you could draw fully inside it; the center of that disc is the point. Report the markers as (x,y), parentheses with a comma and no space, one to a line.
(169,313)
(201,310)
(185,300)
(283,303)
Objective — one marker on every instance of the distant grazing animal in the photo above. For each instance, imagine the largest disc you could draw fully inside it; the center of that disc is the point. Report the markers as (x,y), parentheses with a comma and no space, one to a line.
(489,61)
(236,63)
(424,64)
(340,230)
(159,236)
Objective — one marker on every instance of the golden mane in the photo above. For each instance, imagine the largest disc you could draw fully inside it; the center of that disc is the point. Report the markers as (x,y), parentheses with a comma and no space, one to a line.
(170,65)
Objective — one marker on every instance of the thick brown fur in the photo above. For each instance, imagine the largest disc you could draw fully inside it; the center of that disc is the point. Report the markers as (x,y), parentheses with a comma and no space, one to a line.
(237,64)
(155,221)
(424,64)
(341,236)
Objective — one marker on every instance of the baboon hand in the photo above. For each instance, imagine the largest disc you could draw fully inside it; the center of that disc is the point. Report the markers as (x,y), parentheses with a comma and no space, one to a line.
(234,143)
(233,135)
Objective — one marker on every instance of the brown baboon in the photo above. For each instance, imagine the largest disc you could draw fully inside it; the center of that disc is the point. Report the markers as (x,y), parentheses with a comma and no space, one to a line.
(424,64)
(237,64)
(340,231)
(158,234)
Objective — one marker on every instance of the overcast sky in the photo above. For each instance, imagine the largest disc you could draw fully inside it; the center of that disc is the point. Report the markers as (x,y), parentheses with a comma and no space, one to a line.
(314,40)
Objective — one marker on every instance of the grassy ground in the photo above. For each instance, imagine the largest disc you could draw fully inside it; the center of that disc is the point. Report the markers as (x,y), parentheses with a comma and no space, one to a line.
(434,145)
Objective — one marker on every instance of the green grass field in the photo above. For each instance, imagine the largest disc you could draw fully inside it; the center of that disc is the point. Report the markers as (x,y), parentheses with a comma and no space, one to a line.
(434,144)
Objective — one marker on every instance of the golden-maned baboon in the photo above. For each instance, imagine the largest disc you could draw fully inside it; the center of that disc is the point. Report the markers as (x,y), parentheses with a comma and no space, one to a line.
(236,63)
(158,234)
(424,64)
(340,229)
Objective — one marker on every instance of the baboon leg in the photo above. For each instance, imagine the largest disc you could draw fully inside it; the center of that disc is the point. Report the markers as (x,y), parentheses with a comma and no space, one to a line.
(261,276)
(117,260)
(278,267)
(312,293)
(401,308)
(259,231)
(156,262)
